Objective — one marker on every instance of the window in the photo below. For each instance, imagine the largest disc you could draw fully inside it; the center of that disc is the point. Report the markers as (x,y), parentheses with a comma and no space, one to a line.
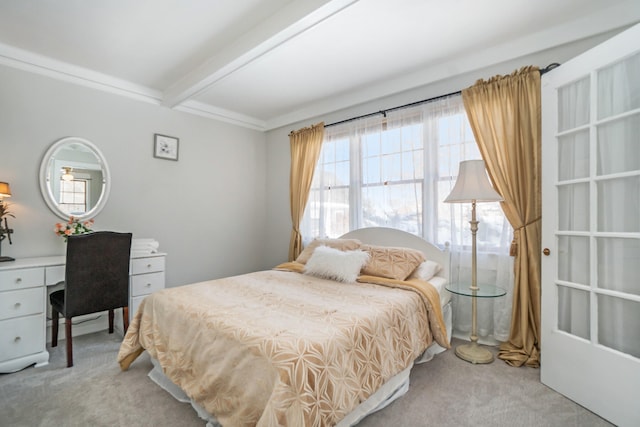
(395,171)
(73,196)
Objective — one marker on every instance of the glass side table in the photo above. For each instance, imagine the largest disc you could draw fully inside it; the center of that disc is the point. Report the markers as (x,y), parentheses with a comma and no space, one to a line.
(473,352)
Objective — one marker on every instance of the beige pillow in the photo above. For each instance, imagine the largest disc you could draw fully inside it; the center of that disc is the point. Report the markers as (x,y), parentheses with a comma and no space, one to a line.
(340,244)
(391,262)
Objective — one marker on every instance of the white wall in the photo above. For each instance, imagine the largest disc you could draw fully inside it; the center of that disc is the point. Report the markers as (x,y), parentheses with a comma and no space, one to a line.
(207,210)
(278,157)
(210,210)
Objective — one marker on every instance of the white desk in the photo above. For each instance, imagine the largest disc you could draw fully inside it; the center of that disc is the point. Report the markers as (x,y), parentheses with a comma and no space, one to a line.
(24,303)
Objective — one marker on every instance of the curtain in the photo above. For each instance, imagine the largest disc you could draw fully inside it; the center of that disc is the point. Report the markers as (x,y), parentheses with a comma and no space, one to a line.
(504,113)
(305,144)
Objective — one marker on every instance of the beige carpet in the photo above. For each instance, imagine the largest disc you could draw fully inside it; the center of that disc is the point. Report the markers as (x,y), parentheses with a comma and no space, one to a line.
(444,392)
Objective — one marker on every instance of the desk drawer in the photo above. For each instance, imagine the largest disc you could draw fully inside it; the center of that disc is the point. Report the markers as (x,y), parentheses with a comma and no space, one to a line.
(21,303)
(21,336)
(144,284)
(147,265)
(21,278)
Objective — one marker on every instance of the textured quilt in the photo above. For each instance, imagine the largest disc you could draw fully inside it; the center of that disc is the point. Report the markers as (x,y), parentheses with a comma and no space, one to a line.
(279,348)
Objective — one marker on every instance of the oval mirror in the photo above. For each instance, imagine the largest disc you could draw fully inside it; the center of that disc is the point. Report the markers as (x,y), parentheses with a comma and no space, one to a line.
(74,178)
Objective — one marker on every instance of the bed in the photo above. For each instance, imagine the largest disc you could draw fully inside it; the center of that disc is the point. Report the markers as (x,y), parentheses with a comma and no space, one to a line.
(295,345)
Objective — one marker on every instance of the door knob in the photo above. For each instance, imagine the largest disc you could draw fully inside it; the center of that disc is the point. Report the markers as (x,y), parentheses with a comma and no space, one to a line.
(546,251)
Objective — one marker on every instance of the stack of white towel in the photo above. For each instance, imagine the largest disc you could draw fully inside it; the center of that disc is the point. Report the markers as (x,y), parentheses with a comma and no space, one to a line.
(144,247)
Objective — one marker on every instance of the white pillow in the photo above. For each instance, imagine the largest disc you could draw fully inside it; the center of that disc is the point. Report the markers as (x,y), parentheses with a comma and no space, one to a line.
(426,270)
(334,264)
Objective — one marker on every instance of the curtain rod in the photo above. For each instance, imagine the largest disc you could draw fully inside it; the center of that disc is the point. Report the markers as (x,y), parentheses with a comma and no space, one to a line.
(424,101)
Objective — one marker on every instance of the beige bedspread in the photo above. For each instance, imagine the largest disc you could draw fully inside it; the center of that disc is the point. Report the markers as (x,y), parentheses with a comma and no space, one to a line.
(279,348)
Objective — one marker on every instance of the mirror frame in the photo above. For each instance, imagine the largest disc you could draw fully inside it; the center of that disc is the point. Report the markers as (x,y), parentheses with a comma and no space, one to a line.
(45,187)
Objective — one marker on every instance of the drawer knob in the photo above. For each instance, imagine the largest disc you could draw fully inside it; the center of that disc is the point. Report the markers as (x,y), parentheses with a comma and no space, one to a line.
(17,339)
(17,305)
(148,285)
(19,280)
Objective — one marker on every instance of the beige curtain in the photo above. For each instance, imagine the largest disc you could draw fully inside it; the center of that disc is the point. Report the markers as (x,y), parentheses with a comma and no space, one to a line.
(504,113)
(305,151)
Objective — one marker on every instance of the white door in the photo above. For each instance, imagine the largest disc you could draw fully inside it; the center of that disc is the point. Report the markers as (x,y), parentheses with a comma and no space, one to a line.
(590,345)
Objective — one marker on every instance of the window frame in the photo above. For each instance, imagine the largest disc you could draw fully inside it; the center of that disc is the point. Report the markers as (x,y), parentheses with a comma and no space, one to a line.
(438,133)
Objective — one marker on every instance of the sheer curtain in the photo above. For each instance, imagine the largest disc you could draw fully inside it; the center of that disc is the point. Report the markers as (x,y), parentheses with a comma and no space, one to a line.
(394,170)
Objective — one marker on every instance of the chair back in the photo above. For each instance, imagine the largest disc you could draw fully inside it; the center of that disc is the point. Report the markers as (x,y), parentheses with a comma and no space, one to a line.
(97,272)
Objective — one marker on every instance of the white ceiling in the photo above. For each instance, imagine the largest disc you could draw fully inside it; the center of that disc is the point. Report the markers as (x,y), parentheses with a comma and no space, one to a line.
(268,63)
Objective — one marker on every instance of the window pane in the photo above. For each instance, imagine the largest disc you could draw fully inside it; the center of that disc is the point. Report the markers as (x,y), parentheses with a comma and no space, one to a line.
(619,204)
(573,311)
(618,266)
(342,150)
(573,104)
(335,212)
(573,156)
(371,145)
(619,87)
(573,260)
(412,137)
(329,175)
(412,162)
(391,167)
(615,315)
(573,207)
(371,171)
(618,146)
(396,206)
(391,142)
(342,173)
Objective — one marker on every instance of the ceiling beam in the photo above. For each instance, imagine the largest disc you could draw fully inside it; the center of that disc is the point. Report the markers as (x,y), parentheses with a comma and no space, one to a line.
(289,22)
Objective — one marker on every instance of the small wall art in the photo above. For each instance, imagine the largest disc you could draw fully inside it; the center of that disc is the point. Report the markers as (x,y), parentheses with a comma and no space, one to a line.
(165,147)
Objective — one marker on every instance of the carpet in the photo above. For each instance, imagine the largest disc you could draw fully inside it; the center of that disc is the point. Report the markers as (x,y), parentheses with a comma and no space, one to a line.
(444,392)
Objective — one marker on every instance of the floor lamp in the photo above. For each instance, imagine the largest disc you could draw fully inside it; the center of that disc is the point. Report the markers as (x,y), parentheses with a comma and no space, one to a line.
(472,185)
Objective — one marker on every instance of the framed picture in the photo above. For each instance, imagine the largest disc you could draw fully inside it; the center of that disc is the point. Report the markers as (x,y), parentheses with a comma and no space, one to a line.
(165,147)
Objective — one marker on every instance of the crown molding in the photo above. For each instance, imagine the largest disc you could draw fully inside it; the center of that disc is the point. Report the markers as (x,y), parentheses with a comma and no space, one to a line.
(227,116)
(43,65)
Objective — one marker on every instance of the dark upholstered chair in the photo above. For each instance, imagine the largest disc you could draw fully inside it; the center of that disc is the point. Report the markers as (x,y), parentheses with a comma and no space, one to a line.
(96,279)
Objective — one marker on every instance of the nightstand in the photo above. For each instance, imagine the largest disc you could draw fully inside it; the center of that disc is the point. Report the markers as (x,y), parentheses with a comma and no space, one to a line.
(473,352)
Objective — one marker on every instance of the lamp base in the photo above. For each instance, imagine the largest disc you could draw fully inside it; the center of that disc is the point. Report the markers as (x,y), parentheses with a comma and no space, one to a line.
(473,353)
(6,258)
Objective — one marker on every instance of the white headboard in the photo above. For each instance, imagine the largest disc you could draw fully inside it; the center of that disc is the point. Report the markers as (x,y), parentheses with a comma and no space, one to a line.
(383,236)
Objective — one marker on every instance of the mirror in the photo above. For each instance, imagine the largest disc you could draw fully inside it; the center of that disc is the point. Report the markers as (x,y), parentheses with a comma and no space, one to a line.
(74,178)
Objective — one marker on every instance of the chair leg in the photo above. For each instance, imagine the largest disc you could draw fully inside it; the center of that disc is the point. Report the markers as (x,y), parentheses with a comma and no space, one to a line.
(125,318)
(111,321)
(67,335)
(54,327)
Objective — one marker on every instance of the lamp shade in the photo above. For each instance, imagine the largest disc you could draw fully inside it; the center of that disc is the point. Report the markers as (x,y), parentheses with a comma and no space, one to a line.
(5,191)
(472,184)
